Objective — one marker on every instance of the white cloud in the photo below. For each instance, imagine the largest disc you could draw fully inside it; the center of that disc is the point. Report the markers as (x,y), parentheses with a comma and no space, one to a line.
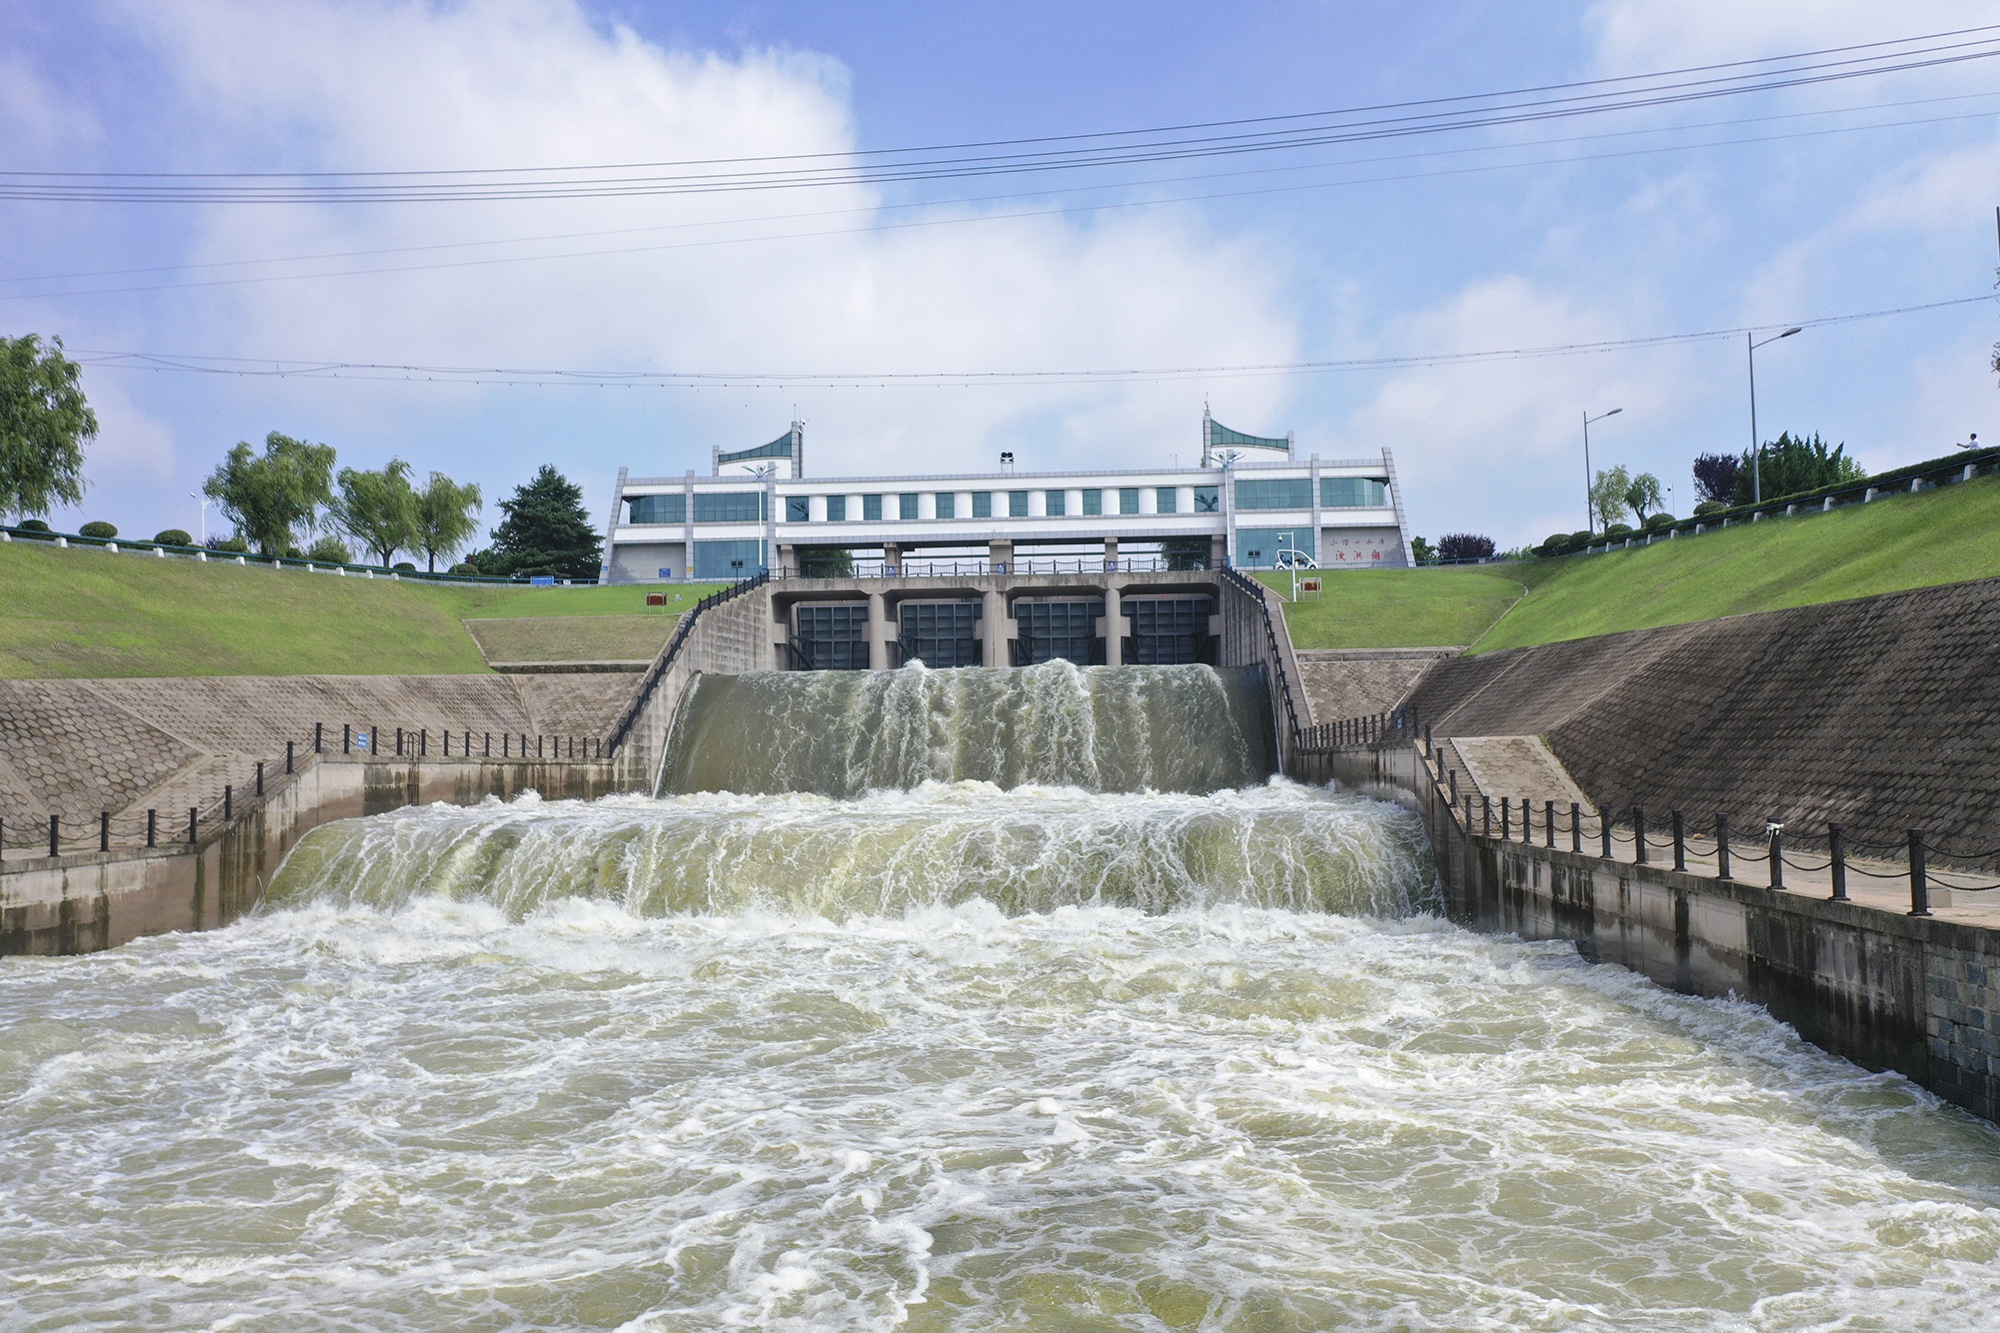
(1635,36)
(1498,445)
(373,84)
(128,465)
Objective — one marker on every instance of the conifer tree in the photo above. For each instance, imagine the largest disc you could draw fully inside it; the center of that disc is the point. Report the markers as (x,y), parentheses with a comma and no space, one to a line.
(546,531)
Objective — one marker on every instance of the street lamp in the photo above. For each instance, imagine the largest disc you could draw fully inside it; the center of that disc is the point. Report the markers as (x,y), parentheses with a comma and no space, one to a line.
(205,503)
(1590,510)
(1757,450)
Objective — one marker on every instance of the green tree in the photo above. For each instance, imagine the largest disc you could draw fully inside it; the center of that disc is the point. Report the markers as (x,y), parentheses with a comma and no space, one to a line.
(270,497)
(1643,494)
(546,531)
(1607,495)
(378,509)
(1792,464)
(44,424)
(1422,551)
(445,519)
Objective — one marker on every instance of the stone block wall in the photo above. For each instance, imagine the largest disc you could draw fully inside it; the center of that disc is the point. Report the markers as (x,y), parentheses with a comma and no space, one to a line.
(1881,713)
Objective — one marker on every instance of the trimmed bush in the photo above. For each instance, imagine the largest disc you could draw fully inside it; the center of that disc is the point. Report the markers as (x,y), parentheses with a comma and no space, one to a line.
(173,537)
(463,567)
(405,567)
(332,551)
(1707,507)
(99,529)
(33,525)
(231,545)
(1660,521)
(1618,530)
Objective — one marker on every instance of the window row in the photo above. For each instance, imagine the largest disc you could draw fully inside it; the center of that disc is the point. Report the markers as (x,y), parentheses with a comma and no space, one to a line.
(1251,493)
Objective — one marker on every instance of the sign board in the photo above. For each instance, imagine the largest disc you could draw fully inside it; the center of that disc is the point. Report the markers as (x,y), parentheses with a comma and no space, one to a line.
(656,599)
(541,580)
(360,740)
(1309,585)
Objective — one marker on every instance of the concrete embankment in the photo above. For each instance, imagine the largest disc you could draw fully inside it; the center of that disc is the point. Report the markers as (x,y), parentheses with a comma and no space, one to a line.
(80,902)
(1882,714)
(1919,995)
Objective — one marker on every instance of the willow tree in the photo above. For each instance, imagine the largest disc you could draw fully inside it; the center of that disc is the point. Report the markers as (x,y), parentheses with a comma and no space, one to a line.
(273,496)
(44,424)
(445,519)
(378,509)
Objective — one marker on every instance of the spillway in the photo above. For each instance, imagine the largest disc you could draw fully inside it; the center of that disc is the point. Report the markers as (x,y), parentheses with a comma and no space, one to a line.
(936,1000)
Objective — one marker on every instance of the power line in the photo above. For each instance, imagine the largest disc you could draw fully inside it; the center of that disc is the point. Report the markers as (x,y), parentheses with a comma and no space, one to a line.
(1066,210)
(280,368)
(877,167)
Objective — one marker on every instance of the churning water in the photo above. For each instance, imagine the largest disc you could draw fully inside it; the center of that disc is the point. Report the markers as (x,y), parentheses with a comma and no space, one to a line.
(943,1055)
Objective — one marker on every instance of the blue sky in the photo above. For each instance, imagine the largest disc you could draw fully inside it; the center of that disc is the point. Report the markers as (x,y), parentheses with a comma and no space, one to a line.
(1848,198)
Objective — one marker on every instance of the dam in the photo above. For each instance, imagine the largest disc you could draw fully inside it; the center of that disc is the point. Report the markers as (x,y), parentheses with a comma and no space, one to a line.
(943,999)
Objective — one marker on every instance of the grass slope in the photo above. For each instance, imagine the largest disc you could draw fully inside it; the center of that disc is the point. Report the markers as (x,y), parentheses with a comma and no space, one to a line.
(1398,608)
(572,638)
(1911,541)
(83,613)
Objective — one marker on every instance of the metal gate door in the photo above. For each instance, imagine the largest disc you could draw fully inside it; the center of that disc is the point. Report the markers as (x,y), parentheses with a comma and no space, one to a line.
(1058,628)
(1168,631)
(831,637)
(940,633)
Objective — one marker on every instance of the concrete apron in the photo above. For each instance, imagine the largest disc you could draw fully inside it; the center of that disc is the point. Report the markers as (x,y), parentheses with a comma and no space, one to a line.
(1918,995)
(80,903)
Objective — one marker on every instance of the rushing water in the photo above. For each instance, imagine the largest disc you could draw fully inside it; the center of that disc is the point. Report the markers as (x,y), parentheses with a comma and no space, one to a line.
(841,733)
(939,1056)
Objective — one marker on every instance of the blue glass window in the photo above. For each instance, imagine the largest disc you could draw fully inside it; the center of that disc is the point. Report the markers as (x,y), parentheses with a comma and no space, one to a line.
(798,508)
(729,506)
(1017,504)
(836,509)
(947,504)
(1353,492)
(871,509)
(982,504)
(1274,493)
(658,508)
(1053,502)
(1207,499)
(1259,548)
(1128,500)
(906,506)
(1170,500)
(728,560)
(1093,502)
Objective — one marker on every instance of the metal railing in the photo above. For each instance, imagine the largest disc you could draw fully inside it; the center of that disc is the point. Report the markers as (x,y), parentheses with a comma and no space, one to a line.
(1256,591)
(665,661)
(920,568)
(52,835)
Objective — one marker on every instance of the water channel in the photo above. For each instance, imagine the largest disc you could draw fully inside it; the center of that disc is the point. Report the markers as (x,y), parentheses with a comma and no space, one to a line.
(942,1000)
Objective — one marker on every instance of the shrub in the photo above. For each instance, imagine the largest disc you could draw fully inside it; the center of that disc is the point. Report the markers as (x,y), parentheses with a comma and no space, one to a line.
(332,551)
(463,567)
(1618,530)
(173,537)
(1715,478)
(100,529)
(1582,538)
(1707,507)
(1557,543)
(1660,521)
(405,567)
(1464,546)
(33,525)
(233,545)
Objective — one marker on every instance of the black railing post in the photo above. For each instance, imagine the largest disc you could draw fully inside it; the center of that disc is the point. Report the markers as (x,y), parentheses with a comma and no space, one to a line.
(506,745)
(1430,745)
(1604,827)
(1639,834)
(1549,825)
(347,738)
(1777,832)
(55,835)
(288,756)
(103,830)
(446,733)
(1576,827)
(1506,813)
(489,745)
(1454,786)
(1488,802)
(423,742)
(1836,846)
(260,777)
(194,825)
(1920,886)
(399,742)
(228,802)
(319,736)
(1527,821)
(1722,846)
(152,828)
(1680,841)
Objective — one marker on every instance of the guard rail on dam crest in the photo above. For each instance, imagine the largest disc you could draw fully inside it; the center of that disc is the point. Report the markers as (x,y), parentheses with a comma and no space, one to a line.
(1892,965)
(68,884)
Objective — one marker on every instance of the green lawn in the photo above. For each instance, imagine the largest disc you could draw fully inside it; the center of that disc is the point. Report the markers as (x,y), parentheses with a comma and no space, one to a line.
(1911,541)
(1398,608)
(83,613)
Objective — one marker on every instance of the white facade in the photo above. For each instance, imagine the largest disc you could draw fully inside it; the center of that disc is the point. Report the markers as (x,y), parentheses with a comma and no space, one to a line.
(1342,514)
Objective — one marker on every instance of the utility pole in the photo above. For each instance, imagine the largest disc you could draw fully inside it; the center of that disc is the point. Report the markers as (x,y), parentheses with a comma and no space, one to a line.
(1756,449)
(1589,507)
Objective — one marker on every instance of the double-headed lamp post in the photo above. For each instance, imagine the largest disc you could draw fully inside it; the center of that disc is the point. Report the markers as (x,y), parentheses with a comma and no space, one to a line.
(1589,509)
(1757,450)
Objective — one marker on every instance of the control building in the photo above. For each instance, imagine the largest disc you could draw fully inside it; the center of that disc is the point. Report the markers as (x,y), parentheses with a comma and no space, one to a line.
(1234,509)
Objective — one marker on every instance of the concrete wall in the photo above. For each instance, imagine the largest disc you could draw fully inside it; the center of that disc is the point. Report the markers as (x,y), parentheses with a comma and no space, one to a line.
(1917,995)
(1246,608)
(1359,682)
(1881,713)
(96,900)
(728,638)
